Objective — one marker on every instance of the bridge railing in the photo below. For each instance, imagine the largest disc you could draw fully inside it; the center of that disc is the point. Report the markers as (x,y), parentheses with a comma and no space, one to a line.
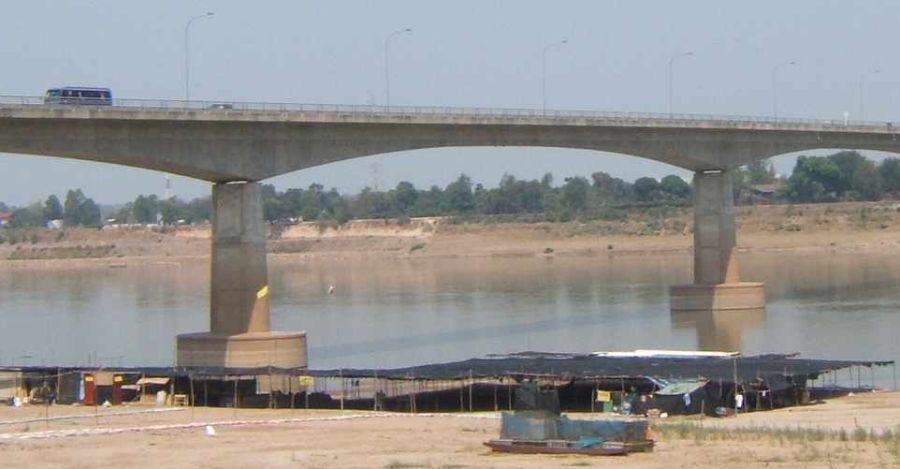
(376,110)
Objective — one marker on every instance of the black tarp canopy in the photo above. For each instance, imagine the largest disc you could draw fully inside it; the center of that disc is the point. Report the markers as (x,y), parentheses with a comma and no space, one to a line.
(537,364)
(586,367)
(569,366)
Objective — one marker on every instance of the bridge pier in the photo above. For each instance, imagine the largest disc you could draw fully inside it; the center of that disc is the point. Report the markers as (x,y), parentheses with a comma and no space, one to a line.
(240,334)
(717,285)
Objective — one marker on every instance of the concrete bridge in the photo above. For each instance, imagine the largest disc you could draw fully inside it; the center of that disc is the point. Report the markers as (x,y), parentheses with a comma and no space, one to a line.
(236,145)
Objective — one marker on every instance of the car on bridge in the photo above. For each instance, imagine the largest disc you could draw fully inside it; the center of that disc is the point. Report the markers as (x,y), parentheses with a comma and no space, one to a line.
(79,96)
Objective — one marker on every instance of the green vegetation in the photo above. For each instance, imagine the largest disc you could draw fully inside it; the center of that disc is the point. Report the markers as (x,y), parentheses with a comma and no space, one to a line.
(78,210)
(887,441)
(602,197)
(845,175)
(404,465)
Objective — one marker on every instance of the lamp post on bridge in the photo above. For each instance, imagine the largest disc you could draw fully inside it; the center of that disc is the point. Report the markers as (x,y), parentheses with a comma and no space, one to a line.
(671,62)
(544,71)
(862,84)
(775,86)
(387,63)
(187,53)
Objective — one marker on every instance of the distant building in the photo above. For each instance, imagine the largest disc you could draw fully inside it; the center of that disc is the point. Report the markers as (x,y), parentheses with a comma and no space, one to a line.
(763,193)
(54,224)
(6,218)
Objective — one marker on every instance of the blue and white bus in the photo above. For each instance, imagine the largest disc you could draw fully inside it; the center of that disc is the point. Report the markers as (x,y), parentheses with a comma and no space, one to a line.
(79,95)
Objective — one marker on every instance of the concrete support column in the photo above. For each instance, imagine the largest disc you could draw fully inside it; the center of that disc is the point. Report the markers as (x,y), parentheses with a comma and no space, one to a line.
(239,324)
(714,231)
(239,300)
(717,284)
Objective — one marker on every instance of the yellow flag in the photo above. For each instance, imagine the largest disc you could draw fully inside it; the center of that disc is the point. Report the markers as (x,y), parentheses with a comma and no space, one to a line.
(262,293)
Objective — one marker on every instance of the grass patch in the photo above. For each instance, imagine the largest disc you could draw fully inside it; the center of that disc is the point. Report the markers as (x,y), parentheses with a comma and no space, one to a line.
(808,441)
(403,465)
(687,430)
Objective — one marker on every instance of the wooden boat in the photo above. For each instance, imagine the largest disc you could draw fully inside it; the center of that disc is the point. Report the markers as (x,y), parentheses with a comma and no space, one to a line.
(606,448)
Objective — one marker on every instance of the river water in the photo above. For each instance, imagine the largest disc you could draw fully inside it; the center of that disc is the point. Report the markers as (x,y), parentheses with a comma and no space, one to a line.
(405,312)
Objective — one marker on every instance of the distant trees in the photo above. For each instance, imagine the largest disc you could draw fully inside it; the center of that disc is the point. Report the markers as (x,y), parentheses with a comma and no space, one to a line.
(573,197)
(889,171)
(53,209)
(80,210)
(77,210)
(675,188)
(144,209)
(577,197)
(31,215)
(458,195)
(846,175)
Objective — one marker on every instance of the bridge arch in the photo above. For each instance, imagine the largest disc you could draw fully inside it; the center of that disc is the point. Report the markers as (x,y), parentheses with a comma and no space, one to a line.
(487,165)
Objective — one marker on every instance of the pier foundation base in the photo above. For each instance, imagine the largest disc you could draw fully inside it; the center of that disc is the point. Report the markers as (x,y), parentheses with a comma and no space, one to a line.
(722,296)
(248,350)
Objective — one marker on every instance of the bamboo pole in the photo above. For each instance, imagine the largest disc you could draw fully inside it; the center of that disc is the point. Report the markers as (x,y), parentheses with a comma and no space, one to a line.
(375,392)
(191,379)
(471,384)
(341,373)
(894,373)
(496,407)
(235,397)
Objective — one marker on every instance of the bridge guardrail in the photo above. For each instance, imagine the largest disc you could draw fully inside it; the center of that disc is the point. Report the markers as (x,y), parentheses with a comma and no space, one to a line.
(370,110)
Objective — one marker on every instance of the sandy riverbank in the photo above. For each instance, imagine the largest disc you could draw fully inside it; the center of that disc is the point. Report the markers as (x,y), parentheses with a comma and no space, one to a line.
(844,227)
(334,439)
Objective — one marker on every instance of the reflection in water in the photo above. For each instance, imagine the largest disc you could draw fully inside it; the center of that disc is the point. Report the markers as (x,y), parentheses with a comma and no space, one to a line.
(404,312)
(720,330)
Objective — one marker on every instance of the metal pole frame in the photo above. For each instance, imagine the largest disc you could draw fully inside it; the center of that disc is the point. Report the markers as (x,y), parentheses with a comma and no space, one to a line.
(671,63)
(544,72)
(775,86)
(187,54)
(387,64)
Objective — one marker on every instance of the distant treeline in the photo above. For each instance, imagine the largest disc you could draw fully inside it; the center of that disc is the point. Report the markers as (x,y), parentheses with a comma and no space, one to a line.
(600,197)
(78,210)
(845,175)
(577,197)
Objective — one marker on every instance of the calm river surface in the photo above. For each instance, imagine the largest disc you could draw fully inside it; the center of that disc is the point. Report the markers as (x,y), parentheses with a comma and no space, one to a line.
(404,312)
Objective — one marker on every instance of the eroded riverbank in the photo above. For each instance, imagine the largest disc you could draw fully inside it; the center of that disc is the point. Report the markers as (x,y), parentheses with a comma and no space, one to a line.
(824,228)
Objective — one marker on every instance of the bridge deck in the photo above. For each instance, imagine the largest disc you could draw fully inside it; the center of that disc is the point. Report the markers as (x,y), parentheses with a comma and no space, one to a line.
(144,109)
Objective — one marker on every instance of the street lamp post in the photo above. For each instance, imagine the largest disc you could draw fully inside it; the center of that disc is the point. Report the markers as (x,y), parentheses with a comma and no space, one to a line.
(187,54)
(671,62)
(862,84)
(387,63)
(775,86)
(544,71)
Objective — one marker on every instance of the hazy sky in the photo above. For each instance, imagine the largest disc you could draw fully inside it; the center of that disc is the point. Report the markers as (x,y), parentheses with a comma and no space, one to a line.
(460,53)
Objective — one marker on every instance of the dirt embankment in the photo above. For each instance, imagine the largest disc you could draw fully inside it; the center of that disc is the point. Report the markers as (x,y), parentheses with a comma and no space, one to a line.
(864,227)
